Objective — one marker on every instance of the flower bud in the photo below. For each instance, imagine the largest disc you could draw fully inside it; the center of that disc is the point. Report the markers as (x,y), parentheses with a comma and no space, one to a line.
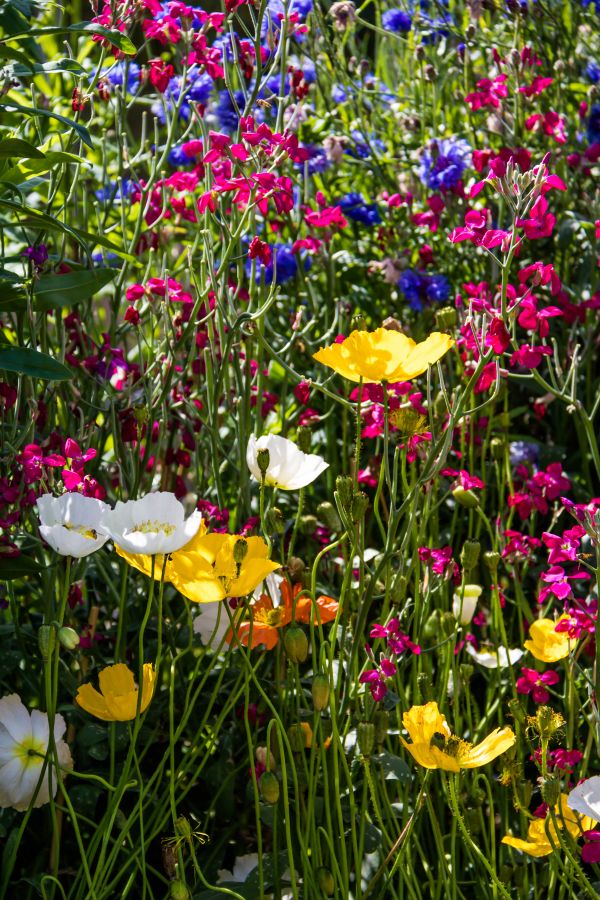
(445,318)
(398,590)
(263,458)
(431,629)
(240,550)
(492,560)
(325,881)
(365,734)
(320,692)
(303,439)
(550,789)
(465,498)
(183,828)
(360,504)
(274,520)
(300,736)
(381,720)
(178,890)
(327,513)
(425,687)
(497,448)
(68,637)
(524,791)
(345,491)
(546,722)
(308,524)
(46,641)
(264,757)
(464,602)
(296,644)
(448,624)
(469,555)
(296,568)
(517,711)
(269,787)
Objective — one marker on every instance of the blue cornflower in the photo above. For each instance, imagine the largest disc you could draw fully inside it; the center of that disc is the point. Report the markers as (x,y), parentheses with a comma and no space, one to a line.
(411,285)
(523,452)
(593,126)
(396,20)
(421,289)
(115,190)
(443,163)
(177,157)
(116,76)
(354,205)
(200,89)
(592,72)
(317,161)
(226,111)
(437,288)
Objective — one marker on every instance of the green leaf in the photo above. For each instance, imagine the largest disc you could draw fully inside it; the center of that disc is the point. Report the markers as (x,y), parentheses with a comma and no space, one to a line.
(393,767)
(19,149)
(26,69)
(12,296)
(18,566)
(83,133)
(121,41)
(87,240)
(53,291)
(31,362)
(92,734)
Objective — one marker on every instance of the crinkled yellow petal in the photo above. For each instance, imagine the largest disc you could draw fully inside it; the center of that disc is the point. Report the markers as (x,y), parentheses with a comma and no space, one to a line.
(431,757)
(424,354)
(372,356)
(122,707)
(492,746)
(423,722)
(533,848)
(117,679)
(202,588)
(141,562)
(545,643)
(149,683)
(252,572)
(94,703)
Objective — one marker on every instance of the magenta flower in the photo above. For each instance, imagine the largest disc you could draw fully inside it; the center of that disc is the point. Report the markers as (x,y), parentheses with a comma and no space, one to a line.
(534,683)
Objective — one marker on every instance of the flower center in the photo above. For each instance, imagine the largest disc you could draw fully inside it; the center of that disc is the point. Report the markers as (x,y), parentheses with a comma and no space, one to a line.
(272,617)
(152,526)
(81,529)
(30,752)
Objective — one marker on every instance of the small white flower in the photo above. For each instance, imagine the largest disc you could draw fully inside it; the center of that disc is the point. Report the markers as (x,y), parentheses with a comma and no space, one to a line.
(495,659)
(71,523)
(23,745)
(154,524)
(289,468)
(465,601)
(585,798)
(242,867)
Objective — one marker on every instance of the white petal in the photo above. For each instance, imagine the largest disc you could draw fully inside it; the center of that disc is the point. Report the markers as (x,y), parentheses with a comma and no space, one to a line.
(585,798)
(15,717)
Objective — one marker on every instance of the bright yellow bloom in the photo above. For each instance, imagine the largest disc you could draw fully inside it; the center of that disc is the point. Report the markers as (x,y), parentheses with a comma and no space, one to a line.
(383,355)
(538,843)
(211,567)
(545,643)
(435,747)
(118,696)
(220,566)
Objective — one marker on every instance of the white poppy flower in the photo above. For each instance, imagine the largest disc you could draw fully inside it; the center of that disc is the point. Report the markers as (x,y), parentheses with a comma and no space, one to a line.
(495,659)
(23,745)
(154,524)
(71,523)
(465,601)
(289,468)
(585,798)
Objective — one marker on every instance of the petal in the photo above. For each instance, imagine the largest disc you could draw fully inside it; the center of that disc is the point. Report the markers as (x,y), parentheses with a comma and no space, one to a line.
(424,354)
(431,757)
(532,848)
(149,683)
(252,573)
(423,722)
(492,746)
(117,680)
(585,798)
(94,703)
(15,718)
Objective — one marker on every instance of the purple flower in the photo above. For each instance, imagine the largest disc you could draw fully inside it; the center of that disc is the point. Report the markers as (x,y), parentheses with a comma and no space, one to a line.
(443,163)
(38,254)
(396,20)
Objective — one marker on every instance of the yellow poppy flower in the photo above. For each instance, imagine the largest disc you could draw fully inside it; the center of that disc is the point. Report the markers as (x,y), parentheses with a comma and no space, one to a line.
(143,562)
(118,696)
(435,747)
(383,355)
(220,566)
(545,643)
(538,843)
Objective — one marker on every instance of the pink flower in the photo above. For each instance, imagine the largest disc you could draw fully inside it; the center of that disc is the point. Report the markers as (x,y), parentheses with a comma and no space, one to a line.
(563,549)
(490,93)
(550,123)
(529,357)
(538,85)
(534,683)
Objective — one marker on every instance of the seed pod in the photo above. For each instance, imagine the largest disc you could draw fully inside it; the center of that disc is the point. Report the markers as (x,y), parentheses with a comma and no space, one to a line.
(381,720)
(240,550)
(325,881)
(320,692)
(365,733)
(345,491)
(68,637)
(445,318)
(492,561)
(269,787)
(296,644)
(469,555)
(178,890)
(497,447)
(263,458)
(431,629)
(360,504)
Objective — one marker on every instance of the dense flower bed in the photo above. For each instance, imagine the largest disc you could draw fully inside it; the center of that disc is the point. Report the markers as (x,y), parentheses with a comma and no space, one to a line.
(299,467)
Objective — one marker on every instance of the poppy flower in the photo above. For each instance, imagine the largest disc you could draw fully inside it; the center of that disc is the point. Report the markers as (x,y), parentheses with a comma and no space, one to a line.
(542,838)
(118,696)
(545,643)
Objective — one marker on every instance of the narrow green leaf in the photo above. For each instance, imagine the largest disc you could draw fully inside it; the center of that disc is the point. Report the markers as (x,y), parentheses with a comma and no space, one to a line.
(12,567)
(121,41)
(11,106)
(19,149)
(52,291)
(31,362)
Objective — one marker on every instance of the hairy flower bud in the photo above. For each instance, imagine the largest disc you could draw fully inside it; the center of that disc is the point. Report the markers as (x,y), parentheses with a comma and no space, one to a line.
(308,524)
(445,318)
(269,787)
(469,555)
(465,498)
(303,439)
(296,644)
(327,513)
(360,504)
(345,491)
(365,734)
(178,890)
(274,520)
(550,789)
(263,458)
(240,550)
(320,691)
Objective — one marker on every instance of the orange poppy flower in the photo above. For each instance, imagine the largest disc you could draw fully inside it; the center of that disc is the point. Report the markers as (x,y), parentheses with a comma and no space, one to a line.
(266,619)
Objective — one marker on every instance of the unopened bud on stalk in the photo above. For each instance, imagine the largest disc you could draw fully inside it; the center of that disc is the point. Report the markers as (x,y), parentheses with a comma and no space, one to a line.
(296,644)
(308,524)
(327,513)
(360,504)
(365,734)
(178,890)
(325,881)
(263,458)
(550,790)
(297,738)
(445,318)
(398,589)
(320,692)
(497,448)
(274,520)
(296,568)
(425,687)
(345,491)
(431,629)
(269,787)
(465,498)
(492,561)
(448,624)
(469,555)
(68,637)
(46,641)
(525,790)
(304,438)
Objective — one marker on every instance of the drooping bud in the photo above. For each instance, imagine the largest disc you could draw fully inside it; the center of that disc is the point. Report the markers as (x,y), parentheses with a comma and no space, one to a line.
(269,787)
(469,555)
(320,692)
(178,890)
(296,568)
(274,520)
(398,590)
(299,736)
(263,458)
(325,881)
(68,637)
(46,641)
(497,448)
(308,524)
(467,499)
(240,550)
(296,644)
(492,560)
(327,513)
